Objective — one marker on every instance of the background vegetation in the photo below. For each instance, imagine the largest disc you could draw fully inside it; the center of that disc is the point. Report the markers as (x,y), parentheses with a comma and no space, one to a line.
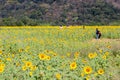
(59,12)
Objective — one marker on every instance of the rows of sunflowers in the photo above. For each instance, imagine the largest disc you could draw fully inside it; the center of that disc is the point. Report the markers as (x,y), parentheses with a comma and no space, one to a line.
(58,54)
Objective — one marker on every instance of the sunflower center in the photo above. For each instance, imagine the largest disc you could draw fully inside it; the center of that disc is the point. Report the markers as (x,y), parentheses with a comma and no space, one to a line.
(28,64)
(73,65)
(87,70)
(42,56)
(101,71)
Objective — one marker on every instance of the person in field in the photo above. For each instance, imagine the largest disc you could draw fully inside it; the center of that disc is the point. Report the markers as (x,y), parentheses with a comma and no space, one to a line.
(67,26)
(83,27)
(61,26)
(98,34)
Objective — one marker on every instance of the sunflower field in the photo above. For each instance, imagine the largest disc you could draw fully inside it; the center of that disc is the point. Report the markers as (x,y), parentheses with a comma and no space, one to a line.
(53,53)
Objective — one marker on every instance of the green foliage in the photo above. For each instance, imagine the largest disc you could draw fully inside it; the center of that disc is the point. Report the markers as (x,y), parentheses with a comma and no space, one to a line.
(20,46)
(58,12)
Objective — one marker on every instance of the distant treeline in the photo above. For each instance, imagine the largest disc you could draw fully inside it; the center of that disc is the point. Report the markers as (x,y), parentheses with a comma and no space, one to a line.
(59,12)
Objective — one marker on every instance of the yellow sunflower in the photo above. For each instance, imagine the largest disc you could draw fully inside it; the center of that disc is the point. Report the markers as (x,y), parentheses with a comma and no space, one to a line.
(20,50)
(47,57)
(0,52)
(95,54)
(82,74)
(48,67)
(30,73)
(100,71)
(1,69)
(73,65)
(108,46)
(91,55)
(54,54)
(106,53)
(32,68)
(100,50)
(86,78)
(24,68)
(42,56)
(76,54)
(104,57)
(68,54)
(2,65)
(87,69)
(28,64)
(8,59)
(58,76)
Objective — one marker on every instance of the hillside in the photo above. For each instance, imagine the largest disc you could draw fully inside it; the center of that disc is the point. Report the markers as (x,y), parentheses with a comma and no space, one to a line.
(59,12)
